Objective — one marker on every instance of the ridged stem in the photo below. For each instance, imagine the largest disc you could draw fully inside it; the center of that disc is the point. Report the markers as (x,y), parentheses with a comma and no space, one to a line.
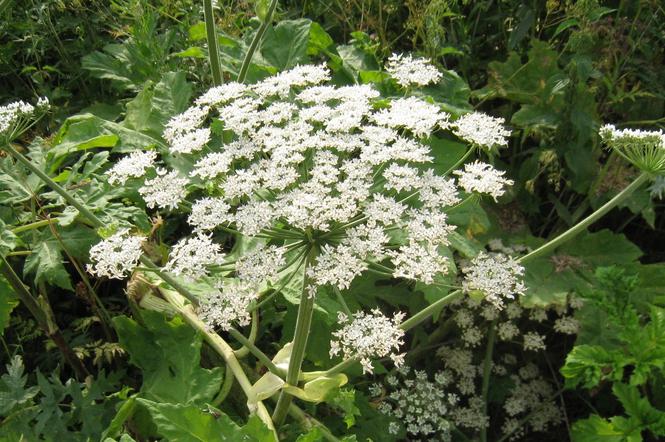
(255,42)
(303,323)
(213,49)
(487,370)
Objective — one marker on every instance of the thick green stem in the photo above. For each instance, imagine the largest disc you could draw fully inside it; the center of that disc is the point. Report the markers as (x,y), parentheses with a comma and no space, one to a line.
(213,50)
(487,370)
(569,234)
(303,323)
(221,347)
(255,42)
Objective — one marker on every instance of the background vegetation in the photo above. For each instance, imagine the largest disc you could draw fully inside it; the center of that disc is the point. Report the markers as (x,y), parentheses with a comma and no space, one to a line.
(555,70)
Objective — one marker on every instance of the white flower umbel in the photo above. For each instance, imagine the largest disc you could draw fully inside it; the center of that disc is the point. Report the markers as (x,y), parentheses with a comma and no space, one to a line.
(414,114)
(16,117)
(645,149)
(496,276)
(260,264)
(228,305)
(534,341)
(165,191)
(421,407)
(133,165)
(369,336)
(483,178)
(208,213)
(190,257)
(418,262)
(408,71)
(481,130)
(116,256)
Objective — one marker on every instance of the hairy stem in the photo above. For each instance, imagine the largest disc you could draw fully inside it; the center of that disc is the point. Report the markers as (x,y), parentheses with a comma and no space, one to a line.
(303,323)
(213,50)
(255,42)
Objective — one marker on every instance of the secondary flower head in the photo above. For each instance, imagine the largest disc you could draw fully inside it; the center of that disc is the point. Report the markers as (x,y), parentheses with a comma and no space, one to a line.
(165,191)
(117,256)
(482,130)
(15,117)
(227,305)
(133,165)
(483,178)
(496,276)
(368,336)
(408,71)
(645,149)
(190,257)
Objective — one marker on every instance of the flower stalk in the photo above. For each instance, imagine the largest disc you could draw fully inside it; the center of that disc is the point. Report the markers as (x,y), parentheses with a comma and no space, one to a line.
(213,49)
(265,21)
(303,323)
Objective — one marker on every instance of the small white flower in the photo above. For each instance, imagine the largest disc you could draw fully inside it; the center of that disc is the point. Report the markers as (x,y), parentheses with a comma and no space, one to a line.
(133,165)
(117,256)
(12,113)
(254,216)
(483,178)
(228,305)
(337,266)
(533,341)
(368,336)
(165,191)
(261,264)
(507,331)
(401,178)
(481,129)
(418,262)
(567,325)
(414,114)
(497,276)
(190,142)
(408,71)
(222,94)
(190,257)
(208,213)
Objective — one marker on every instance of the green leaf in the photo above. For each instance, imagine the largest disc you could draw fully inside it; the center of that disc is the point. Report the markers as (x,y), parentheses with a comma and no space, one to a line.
(285,45)
(12,387)
(45,262)
(86,131)
(589,364)
(597,429)
(197,31)
(169,354)
(189,423)
(602,248)
(151,109)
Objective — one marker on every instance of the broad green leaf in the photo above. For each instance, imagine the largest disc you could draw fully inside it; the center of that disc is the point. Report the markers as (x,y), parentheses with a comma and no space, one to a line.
(547,286)
(597,429)
(86,131)
(189,423)
(107,65)
(46,263)
(151,109)
(589,364)
(8,240)
(285,45)
(602,248)
(13,392)
(169,354)
(197,31)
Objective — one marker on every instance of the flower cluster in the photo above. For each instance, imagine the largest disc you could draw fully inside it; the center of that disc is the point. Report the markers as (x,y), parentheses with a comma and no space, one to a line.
(483,178)
(418,406)
(304,161)
(368,336)
(116,256)
(645,149)
(496,276)
(408,71)
(481,130)
(15,115)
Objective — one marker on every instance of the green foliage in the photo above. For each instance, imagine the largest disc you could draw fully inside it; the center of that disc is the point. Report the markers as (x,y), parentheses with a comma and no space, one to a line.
(630,347)
(168,376)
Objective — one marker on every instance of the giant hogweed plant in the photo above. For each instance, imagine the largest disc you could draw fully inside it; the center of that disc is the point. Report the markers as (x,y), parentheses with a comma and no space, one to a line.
(297,182)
